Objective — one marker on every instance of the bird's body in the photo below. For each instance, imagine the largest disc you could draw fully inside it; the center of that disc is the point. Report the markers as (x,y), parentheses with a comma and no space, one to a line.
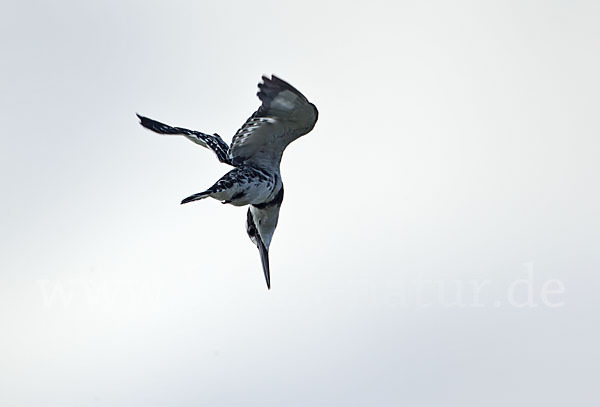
(244,185)
(255,152)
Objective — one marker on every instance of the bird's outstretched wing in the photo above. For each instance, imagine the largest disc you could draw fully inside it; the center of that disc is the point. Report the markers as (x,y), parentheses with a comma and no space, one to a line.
(212,142)
(285,115)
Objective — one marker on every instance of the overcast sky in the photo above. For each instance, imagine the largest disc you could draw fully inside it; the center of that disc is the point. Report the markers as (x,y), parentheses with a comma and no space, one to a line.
(439,239)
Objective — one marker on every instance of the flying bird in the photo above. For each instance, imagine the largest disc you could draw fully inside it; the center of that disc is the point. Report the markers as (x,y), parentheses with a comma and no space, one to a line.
(255,153)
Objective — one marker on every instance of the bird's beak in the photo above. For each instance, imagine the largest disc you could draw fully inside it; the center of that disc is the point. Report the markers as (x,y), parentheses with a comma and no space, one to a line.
(264,258)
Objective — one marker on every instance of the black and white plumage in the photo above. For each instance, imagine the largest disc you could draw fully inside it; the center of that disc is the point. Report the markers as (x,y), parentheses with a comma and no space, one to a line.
(255,152)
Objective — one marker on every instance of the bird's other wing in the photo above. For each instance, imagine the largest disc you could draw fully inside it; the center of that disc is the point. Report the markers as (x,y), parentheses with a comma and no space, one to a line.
(284,115)
(212,142)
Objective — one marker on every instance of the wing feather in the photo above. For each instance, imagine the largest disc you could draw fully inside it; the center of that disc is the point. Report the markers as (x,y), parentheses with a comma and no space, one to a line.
(212,142)
(284,115)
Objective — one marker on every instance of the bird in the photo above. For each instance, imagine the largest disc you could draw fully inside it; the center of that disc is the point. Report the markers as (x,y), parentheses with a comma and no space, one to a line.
(255,152)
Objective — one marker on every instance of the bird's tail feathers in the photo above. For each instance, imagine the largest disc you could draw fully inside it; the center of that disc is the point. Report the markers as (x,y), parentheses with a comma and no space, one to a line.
(197,197)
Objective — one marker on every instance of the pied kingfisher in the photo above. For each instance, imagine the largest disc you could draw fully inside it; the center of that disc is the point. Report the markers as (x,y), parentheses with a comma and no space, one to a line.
(255,152)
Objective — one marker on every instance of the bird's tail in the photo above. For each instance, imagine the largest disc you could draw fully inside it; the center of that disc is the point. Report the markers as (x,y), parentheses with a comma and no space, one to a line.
(197,197)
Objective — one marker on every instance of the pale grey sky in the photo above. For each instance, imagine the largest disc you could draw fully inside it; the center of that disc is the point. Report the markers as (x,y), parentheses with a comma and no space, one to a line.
(456,152)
